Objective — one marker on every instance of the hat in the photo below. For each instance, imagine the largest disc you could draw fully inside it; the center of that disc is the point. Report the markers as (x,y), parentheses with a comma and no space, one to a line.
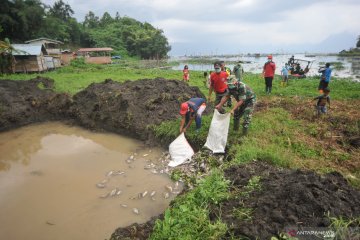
(184,108)
(269,56)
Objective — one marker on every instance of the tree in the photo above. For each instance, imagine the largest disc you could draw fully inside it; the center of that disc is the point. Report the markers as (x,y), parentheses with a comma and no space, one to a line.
(61,11)
(358,42)
(6,58)
(91,20)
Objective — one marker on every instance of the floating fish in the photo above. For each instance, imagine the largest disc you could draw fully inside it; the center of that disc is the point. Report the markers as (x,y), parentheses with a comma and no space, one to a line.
(144,194)
(113,192)
(105,195)
(147,167)
(136,211)
(118,192)
(166,195)
(109,173)
(169,188)
(154,171)
(119,172)
(124,205)
(145,155)
(131,157)
(153,198)
(152,193)
(100,185)
(104,181)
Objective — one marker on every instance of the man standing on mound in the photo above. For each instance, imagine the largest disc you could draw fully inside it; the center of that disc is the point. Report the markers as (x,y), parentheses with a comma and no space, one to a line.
(190,110)
(245,98)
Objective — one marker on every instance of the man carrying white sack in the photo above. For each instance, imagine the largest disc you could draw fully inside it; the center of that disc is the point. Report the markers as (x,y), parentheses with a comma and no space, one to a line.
(190,110)
(245,98)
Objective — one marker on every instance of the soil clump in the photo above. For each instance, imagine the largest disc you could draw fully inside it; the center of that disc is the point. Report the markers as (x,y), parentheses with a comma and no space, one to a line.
(283,198)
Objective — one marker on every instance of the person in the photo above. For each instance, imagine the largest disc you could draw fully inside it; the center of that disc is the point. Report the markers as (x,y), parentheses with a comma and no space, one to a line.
(190,110)
(238,71)
(245,102)
(205,78)
(322,100)
(325,77)
(218,83)
(268,73)
(285,75)
(291,60)
(228,71)
(186,74)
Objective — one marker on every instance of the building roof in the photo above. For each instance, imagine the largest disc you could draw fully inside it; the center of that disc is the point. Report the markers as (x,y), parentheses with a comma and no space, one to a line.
(28,49)
(95,49)
(45,40)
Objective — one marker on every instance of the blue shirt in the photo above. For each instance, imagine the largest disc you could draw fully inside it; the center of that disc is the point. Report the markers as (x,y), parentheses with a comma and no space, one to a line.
(285,71)
(195,103)
(327,74)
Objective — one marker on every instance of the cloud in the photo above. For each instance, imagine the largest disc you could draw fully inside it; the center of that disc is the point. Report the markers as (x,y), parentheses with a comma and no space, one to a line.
(237,25)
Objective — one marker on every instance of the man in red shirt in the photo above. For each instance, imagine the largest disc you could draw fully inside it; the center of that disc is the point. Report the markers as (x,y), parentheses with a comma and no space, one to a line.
(218,83)
(269,72)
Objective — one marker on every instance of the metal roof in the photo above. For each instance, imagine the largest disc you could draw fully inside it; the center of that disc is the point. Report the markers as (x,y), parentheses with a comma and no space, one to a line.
(27,49)
(95,49)
(46,40)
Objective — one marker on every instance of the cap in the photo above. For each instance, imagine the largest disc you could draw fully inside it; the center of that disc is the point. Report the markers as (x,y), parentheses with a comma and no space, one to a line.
(184,108)
(269,56)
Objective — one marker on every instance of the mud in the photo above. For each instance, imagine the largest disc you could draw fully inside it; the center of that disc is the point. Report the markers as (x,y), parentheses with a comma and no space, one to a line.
(127,108)
(286,198)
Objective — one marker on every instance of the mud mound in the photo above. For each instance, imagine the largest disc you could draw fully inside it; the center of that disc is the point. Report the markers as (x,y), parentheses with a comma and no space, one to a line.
(286,198)
(25,102)
(129,108)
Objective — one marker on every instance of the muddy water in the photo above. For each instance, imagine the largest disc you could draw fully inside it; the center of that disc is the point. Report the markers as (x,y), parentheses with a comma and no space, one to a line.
(55,183)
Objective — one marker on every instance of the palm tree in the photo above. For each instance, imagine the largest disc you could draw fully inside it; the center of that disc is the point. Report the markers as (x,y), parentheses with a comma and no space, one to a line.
(7,60)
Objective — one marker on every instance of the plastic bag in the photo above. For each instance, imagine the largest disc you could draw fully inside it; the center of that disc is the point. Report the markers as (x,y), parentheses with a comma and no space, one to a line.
(180,151)
(218,132)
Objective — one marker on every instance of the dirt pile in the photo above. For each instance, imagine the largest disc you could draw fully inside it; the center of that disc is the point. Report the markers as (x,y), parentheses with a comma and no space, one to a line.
(126,108)
(285,198)
(129,108)
(25,102)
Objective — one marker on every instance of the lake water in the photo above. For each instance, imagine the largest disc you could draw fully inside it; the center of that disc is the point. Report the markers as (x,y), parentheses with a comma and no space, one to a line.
(56,183)
(351,65)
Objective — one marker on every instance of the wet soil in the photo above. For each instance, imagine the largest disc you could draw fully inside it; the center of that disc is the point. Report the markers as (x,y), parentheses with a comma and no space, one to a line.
(284,198)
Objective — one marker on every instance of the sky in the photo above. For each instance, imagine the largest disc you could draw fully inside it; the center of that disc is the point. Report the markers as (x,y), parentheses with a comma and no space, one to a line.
(202,27)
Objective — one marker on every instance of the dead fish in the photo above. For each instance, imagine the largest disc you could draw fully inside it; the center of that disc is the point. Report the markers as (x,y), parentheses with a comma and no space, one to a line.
(128,161)
(144,194)
(100,185)
(147,167)
(166,195)
(105,195)
(136,211)
(50,223)
(176,192)
(109,173)
(145,155)
(113,192)
(154,171)
(140,195)
(169,188)
(131,157)
(152,193)
(176,184)
(118,192)
(119,172)
(153,198)
(124,205)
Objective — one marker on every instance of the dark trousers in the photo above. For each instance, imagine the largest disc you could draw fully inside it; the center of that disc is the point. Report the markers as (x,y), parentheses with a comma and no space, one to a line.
(268,84)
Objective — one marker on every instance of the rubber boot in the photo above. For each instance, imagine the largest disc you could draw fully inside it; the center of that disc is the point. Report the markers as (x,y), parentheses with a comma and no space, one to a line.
(270,89)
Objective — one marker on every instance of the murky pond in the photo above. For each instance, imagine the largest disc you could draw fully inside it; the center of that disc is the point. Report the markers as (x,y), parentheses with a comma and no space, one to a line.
(62,182)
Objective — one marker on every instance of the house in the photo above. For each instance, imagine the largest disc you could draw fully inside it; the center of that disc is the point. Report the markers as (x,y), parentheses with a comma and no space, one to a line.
(53,60)
(29,58)
(96,55)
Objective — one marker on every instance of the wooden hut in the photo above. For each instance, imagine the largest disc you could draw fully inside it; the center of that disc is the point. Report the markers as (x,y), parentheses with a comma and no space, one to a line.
(53,58)
(96,55)
(29,58)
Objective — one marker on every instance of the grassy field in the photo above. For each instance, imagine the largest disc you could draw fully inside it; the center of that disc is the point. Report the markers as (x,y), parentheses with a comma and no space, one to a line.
(284,132)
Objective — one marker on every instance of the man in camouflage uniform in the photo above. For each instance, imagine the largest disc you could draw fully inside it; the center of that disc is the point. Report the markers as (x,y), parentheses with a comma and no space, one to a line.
(245,98)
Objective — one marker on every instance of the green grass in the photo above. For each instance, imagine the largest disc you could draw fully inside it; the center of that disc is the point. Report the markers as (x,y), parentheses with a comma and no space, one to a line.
(188,218)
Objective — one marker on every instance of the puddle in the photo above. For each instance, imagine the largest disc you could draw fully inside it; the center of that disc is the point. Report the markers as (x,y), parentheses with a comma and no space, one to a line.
(62,182)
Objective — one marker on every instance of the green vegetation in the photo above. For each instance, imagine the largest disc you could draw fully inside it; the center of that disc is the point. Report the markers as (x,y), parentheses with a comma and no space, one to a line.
(23,20)
(188,218)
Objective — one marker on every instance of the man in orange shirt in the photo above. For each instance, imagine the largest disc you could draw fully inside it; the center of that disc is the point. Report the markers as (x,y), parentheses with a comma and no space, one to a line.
(218,83)
(268,73)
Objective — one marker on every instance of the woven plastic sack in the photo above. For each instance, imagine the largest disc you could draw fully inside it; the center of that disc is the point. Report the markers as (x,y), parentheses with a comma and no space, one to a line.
(218,132)
(180,151)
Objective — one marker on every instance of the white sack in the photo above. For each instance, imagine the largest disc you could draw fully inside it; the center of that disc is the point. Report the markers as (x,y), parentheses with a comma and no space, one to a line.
(218,132)
(180,151)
